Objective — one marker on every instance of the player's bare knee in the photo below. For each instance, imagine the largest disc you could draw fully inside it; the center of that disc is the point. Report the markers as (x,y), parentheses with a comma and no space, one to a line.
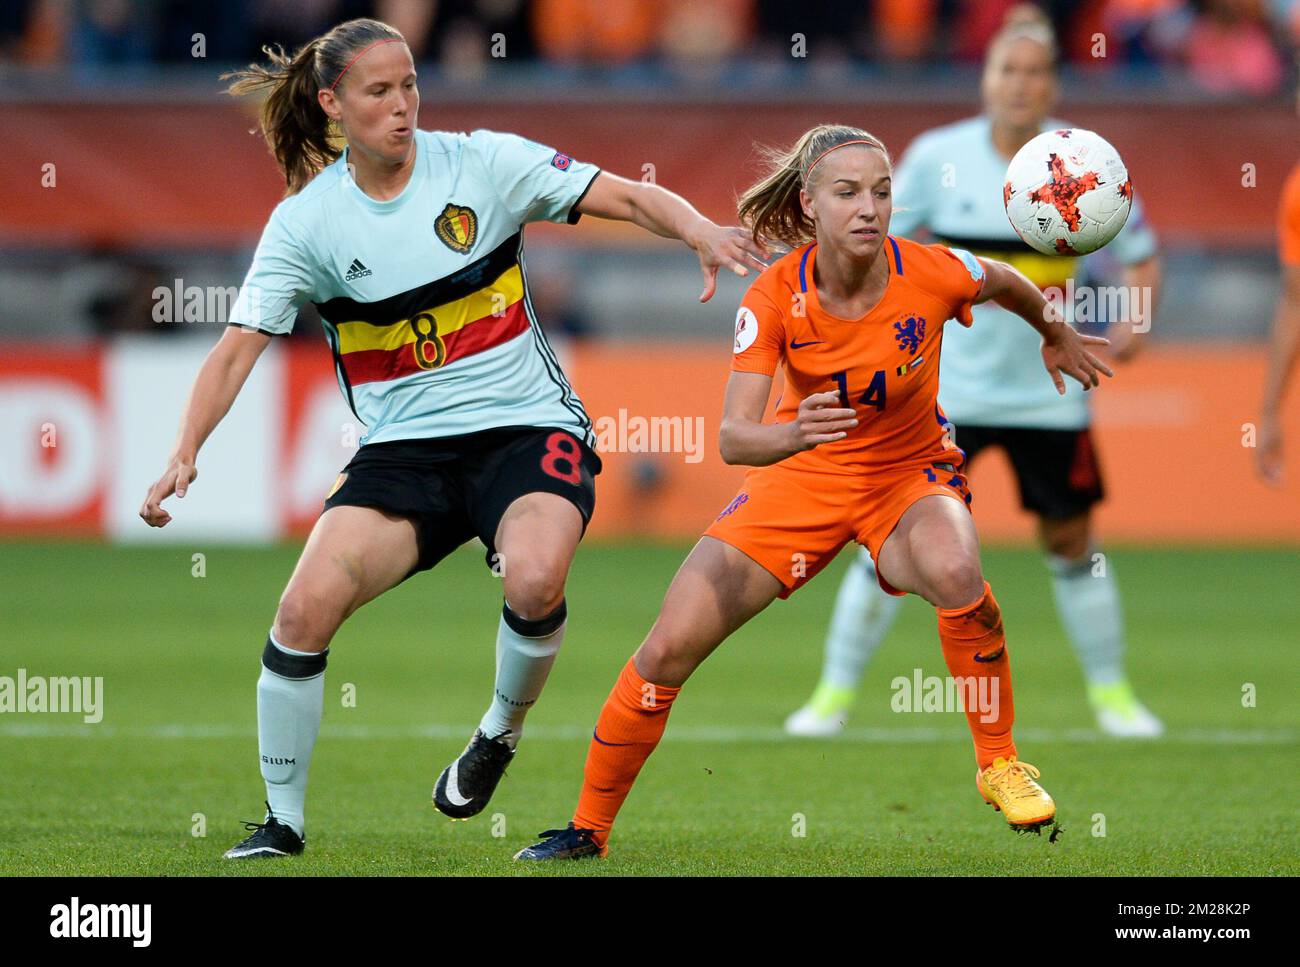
(1071,547)
(662,659)
(656,665)
(1066,539)
(305,621)
(955,582)
(533,589)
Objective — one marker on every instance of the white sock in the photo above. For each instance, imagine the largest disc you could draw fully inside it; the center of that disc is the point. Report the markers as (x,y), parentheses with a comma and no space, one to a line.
(525,653)
(863,615)
(290,697)
(1089,607)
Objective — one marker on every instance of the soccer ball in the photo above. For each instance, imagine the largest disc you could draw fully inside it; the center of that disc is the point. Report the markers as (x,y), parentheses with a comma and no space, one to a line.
(1067,192)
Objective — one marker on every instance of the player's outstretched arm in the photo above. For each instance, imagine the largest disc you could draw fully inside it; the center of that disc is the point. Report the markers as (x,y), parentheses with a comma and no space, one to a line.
(1284,351)
(745,439)
(671,216)
(219,380)
(1064,350)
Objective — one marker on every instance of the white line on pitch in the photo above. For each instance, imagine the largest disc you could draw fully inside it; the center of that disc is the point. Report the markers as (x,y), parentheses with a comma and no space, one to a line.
(719,734)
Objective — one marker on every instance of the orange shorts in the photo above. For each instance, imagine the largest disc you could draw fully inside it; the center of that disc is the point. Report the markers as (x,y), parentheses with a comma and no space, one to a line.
(793,520)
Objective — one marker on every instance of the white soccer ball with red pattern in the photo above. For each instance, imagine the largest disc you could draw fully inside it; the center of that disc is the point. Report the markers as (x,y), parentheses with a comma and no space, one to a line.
(1067,192)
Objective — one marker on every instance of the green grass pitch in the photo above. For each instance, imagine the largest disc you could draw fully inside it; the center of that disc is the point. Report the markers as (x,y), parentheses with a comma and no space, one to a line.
(724,794)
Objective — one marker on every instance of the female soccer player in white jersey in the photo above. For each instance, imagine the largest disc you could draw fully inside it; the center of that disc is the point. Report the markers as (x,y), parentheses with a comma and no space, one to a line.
(410,245)
(949,184)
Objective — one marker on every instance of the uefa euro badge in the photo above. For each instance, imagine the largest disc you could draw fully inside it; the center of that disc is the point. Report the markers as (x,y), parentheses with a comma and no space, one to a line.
(457,228)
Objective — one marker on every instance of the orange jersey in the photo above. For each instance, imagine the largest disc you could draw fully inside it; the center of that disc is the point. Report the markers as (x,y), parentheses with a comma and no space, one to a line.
(1288,220)
(885,365)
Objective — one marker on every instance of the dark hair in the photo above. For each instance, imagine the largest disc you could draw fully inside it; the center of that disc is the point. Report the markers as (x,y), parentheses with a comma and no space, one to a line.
(770,208)
(296,129)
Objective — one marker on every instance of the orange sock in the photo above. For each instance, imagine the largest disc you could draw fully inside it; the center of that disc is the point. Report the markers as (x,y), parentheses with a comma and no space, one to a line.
(976,652)
(630,726)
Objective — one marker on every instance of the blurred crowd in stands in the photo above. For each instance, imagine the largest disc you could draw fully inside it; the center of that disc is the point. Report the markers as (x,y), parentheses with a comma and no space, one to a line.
(1238,48)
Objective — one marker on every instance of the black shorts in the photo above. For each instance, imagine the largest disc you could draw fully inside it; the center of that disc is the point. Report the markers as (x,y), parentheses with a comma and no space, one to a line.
(1057,470)
(457,488)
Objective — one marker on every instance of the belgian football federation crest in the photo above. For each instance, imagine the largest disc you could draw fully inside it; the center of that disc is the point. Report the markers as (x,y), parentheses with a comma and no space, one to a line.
(457,228)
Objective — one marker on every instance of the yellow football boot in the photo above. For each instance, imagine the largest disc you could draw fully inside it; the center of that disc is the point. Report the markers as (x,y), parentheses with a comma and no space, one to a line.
(1008,785)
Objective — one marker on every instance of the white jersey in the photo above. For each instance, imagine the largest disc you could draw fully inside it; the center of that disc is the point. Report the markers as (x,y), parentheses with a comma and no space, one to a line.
(949,184)
(424,296)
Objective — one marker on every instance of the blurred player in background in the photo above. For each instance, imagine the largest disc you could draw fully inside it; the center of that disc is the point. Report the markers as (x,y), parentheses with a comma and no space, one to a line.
(858,451)
(1284,343)
(950,186)
(410,244)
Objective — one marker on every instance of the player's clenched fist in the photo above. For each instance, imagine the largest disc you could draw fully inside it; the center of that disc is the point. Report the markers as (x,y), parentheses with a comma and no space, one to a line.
(821,419)
(176,479)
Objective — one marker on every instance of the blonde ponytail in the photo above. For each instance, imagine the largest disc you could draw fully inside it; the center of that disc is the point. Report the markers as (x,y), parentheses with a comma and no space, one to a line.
(771,208)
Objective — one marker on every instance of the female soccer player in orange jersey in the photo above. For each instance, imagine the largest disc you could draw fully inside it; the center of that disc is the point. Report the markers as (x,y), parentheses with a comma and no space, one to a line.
(992,386)
(858,451)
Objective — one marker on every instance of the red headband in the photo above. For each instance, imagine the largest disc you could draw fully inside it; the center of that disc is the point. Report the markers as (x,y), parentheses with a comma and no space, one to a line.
(832,148)
(387,40)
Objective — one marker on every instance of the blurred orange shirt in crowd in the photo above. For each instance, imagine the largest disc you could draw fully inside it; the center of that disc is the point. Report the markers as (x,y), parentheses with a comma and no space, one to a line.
(1288,220)
(904,28)
(1141,9)
(606,30)
(623,30)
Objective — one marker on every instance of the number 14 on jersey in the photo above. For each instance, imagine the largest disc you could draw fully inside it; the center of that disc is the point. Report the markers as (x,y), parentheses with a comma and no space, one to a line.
(873,395)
